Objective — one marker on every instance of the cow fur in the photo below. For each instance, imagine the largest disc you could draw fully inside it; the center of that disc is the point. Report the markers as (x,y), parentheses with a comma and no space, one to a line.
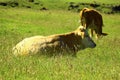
(59,43)
(92,19)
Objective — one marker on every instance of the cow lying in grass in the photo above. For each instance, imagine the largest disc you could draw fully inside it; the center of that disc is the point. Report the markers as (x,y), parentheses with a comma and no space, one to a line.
(92,19)
(70,43)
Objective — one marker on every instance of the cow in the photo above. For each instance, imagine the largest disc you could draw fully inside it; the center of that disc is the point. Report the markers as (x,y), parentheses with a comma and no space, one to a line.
(69,42)
(92,19)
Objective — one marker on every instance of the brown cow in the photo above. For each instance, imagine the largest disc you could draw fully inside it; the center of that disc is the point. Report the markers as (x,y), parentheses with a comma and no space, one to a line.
(92,19)
(69,42)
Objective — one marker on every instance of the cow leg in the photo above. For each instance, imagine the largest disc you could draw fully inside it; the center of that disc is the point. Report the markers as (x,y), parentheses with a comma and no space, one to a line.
(96,34)
(99,31)
(91,33)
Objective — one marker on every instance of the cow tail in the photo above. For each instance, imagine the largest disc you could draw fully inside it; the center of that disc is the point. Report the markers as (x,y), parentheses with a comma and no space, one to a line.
(104,34)
(102,25)
(102,22)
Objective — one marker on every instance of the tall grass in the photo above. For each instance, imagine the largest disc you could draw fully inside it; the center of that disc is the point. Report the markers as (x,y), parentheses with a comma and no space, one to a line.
(100,63)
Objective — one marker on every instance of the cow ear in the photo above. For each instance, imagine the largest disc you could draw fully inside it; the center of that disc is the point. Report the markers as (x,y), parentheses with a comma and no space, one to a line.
(82,29)
(81,34)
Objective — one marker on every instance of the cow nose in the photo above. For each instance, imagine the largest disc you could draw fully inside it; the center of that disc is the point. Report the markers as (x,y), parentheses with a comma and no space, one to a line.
(94,45)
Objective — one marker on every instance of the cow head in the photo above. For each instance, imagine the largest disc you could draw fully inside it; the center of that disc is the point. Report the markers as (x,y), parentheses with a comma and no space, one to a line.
(86,40)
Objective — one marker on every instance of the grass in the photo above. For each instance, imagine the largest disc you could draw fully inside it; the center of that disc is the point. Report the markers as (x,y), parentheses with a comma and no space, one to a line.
(100,63)
(61,4)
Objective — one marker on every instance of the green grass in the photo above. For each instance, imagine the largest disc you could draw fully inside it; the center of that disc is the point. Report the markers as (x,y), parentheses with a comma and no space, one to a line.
(60,4)
(100,63)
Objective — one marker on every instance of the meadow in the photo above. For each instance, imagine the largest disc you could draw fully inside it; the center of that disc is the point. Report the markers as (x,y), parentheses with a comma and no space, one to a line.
(100,63)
